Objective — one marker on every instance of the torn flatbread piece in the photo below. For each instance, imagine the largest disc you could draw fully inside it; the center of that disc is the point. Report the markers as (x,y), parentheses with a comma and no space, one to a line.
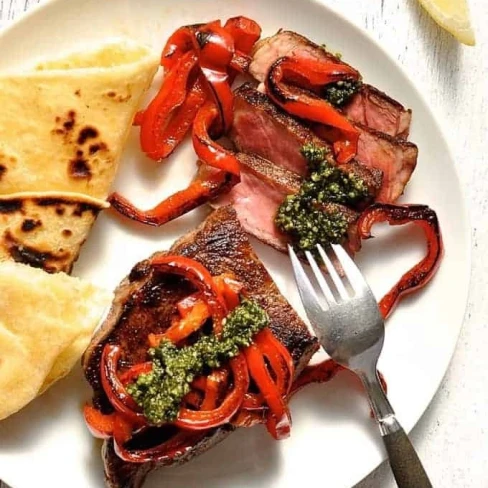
(63,125)
(46,321)
(46,230)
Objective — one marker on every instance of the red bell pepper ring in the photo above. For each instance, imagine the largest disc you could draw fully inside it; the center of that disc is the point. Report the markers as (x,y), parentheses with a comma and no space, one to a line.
(168,451)
(215,49)
(208,419)
(199,192)
(116,392)
(244,31)
(418,276)
(207,149)
(172,95)
(307,105)
(100,425)
(278,420)
(201,278)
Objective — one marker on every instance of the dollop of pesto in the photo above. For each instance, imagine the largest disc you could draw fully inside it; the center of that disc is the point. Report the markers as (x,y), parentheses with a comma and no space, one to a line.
(305,216)
(160,392)
(339,93)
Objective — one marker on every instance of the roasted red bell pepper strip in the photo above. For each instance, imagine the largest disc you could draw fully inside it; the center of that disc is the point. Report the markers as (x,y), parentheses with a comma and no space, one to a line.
(170,450)
(185,306)
(179,43)
(278,420)
(100,425)
(421,273)
(181,120)
(307,105)
(244,31)
(279,359)
(317,373)
(201,278)
(230,289)
(215,49)
(156,116)
(199,192)
(208,150)
(116,393)
(215,386)
(132,373)
(207,419)
(185,326)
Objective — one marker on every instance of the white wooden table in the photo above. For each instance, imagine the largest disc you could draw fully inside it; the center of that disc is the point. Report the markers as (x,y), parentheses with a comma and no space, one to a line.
(452,437)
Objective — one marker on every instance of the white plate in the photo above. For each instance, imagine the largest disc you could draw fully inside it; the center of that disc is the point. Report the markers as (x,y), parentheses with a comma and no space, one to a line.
(333,439)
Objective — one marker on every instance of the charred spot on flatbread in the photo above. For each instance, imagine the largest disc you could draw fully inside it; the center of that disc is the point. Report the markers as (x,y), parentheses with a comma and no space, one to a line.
(87,133)
(10,206)
(46,230)
(79,168)
(3,170)
(30,224)
(31,256)
(99,146)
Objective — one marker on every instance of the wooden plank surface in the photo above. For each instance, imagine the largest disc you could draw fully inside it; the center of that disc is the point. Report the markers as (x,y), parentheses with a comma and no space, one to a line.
(452,436)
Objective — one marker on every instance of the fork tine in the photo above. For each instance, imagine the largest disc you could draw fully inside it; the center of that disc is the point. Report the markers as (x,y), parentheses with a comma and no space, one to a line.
(333,273)
(320,279)
(307,293)
(356,279)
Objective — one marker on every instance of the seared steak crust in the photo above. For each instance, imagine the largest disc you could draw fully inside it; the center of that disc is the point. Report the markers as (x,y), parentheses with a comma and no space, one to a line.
(145,300)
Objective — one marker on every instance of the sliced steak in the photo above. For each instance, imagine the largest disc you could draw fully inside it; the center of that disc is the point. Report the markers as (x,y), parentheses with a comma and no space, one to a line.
(395,158)
(261,128)
(376,110)
(369,107)
(145,302)
(257,197)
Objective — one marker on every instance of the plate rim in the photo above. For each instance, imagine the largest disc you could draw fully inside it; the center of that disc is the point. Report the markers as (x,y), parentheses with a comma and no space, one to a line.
(34,10)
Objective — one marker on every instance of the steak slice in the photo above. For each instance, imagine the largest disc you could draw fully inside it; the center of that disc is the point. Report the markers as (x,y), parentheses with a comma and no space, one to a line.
(369,107)
(145,302)
(395,158)
(376,110)
(261,128)
(257,197)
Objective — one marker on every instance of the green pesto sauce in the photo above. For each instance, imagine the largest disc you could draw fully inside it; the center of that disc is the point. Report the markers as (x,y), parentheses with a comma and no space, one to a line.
(339,93)
(303,216)
(160,392)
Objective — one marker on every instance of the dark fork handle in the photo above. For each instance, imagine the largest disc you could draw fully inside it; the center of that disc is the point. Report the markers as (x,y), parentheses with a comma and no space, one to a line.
(404,461)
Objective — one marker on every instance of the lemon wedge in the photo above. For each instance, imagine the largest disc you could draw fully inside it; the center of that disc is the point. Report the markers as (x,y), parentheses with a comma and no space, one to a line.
(452,15)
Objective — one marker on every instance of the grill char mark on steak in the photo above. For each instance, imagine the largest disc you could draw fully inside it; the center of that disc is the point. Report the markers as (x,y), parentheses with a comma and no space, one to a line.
(144,302)
(369,107)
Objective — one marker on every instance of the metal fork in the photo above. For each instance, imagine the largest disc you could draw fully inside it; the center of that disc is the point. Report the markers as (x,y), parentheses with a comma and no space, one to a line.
(352,331)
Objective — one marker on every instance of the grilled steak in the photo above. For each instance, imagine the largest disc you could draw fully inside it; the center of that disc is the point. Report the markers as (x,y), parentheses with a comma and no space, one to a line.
(370,106)
(395,158)
(144,302)
(256,199)
(376,110)
(263,129)
(260,128)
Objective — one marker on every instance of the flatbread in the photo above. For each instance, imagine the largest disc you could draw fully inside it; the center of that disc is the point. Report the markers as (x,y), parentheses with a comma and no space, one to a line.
(46,230)
(63,125)
(45,323)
